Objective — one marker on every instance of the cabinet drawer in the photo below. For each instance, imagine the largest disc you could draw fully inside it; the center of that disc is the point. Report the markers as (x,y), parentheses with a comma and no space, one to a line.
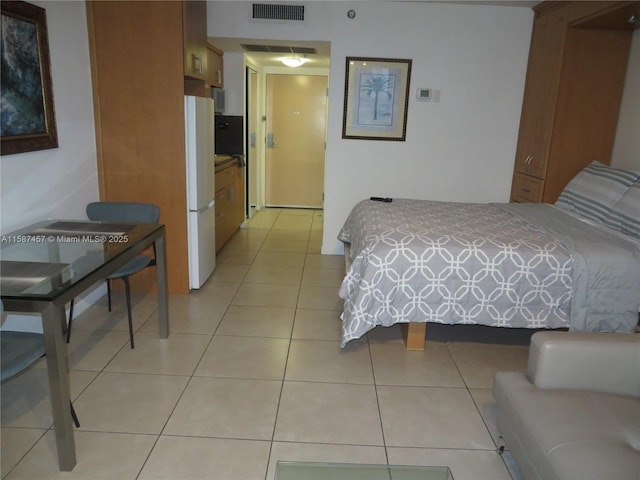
(224,178)
(527,189)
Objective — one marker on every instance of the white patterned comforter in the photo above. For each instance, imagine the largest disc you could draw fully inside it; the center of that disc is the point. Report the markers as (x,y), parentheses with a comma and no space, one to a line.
(455,263)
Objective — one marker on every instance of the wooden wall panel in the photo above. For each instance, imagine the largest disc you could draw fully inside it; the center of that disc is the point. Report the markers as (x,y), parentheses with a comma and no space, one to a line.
(137,66)
(594,73)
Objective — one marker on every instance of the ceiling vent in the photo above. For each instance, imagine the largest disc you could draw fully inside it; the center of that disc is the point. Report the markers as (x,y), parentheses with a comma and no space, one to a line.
(274,12)
(279,49)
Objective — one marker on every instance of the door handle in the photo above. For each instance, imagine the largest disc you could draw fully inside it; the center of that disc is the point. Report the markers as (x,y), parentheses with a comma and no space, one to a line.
(271,143)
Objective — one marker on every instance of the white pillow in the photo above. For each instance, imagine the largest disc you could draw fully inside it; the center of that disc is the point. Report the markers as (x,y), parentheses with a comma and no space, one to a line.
(595,189)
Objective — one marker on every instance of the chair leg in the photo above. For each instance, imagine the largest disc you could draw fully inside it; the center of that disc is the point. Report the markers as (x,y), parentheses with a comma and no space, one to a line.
(109,293)
(70,320)
(74,416)
(128,293)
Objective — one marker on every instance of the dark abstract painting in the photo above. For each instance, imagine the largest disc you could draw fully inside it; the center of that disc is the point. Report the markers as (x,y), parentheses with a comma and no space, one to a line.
(26,110)
(22,103)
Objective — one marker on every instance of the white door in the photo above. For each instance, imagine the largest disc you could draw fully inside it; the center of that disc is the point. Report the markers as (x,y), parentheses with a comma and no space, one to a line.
(296,134)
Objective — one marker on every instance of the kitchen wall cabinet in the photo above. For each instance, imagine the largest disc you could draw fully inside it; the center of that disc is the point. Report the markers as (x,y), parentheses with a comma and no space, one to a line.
(195,39)
(138,64)
(575,78)
(215,66)
(197,69)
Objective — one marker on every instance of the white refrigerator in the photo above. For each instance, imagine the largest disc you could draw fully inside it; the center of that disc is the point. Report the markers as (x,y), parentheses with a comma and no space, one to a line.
(201,217)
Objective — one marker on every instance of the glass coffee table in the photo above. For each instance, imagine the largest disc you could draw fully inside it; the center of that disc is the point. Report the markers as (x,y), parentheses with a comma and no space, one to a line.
(355,471)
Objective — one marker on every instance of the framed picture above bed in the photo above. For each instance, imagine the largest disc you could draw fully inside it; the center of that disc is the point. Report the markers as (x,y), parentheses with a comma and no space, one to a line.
(376,98)
(27,114)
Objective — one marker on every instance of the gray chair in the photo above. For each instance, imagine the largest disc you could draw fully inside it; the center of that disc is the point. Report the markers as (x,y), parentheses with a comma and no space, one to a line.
(20,350)
(122,212)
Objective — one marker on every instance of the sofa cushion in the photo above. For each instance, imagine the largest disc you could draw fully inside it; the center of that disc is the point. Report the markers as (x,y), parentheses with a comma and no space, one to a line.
(568,434)
(603,362)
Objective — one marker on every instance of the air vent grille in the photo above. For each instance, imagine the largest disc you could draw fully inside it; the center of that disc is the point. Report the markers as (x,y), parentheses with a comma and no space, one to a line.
(279,49)
(279,12)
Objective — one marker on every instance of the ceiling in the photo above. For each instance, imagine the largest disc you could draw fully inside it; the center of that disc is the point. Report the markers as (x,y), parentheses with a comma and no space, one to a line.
(268,59)
(321,58)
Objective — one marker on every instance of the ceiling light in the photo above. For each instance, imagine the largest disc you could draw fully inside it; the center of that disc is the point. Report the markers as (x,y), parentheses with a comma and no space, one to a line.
(293,61)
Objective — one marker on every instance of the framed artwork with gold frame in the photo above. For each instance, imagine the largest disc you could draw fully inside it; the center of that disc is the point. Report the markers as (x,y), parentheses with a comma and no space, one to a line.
(27,114)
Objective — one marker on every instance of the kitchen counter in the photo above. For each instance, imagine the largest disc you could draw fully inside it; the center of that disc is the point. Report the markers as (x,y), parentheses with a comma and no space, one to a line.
(223,161)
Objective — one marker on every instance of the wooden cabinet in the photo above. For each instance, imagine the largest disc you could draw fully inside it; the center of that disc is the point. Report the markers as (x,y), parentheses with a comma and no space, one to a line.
(539,102)
(239,215)
(215,66)
(527,189)
(225,194)
(138,66)
(575,78)
(194,21)
(196,52)
(229,199)
(604,14)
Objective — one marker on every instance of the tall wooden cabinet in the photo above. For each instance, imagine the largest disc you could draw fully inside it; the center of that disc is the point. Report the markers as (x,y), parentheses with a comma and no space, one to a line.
(575,78)
(140,73)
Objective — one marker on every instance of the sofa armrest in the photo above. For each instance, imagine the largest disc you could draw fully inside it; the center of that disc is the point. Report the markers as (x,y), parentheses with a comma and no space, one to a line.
(604,362)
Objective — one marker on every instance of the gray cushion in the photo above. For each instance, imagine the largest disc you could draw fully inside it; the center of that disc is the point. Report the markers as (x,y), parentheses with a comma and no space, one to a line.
(595,190)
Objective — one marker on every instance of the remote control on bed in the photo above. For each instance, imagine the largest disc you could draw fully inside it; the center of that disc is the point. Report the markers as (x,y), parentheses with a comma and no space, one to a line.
(381,199)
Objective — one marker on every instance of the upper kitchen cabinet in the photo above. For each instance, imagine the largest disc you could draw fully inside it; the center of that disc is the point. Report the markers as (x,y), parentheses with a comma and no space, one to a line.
(575,79)
(196,54)
(137,51)
(215,65)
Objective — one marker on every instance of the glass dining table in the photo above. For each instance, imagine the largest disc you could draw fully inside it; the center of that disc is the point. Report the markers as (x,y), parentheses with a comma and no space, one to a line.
(47,264)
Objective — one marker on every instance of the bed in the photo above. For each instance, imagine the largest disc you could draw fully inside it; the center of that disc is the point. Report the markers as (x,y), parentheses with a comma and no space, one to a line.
(573,265)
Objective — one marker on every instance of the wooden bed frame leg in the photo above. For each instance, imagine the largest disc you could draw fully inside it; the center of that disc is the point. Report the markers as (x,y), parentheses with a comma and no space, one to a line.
(414,335)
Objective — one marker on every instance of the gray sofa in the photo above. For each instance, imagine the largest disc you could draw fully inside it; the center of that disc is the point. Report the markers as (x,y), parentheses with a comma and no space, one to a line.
(575,415)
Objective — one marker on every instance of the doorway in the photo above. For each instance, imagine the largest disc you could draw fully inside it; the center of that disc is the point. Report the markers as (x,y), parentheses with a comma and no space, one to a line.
(296,125)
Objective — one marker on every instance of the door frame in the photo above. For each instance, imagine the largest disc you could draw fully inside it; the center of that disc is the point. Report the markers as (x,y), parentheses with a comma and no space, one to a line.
(261,120)
(252,116)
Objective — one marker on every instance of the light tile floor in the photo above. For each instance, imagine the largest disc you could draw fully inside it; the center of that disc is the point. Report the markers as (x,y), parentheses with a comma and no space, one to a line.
(253,373)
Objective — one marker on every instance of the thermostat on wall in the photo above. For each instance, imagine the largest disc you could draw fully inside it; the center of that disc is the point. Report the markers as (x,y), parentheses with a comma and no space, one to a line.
(428,95)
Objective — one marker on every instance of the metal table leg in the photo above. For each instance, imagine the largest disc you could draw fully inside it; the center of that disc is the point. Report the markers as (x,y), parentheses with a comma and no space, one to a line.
(163,300)
(59,385)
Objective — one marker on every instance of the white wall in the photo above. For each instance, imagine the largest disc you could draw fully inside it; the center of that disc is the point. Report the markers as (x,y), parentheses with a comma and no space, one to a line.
(626,149)
(57,182)
(460,149)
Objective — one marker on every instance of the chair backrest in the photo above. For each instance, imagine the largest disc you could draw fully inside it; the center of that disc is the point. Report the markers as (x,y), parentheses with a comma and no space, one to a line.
(19,350)
(123,212)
